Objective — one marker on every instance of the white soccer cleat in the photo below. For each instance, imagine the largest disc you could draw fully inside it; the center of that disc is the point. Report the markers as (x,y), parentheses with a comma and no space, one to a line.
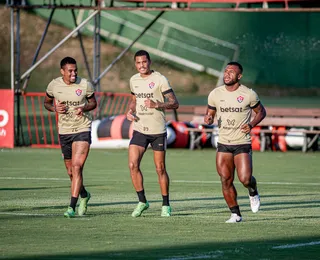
(255,203)
(234,218)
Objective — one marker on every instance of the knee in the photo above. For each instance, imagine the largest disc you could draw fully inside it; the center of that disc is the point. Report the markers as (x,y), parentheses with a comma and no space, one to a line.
(76,169)
(245,180)
(161,170)
(69,172)
(226,180)
(133,167)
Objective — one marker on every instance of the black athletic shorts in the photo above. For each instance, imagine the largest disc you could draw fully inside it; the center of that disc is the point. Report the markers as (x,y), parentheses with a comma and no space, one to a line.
(67,140)
(234,149)
(158,142)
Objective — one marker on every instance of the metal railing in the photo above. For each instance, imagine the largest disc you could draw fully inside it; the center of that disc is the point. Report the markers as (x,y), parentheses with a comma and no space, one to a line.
(168,40)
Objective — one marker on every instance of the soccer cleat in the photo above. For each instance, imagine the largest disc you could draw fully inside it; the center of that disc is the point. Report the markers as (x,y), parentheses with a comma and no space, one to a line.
(166,211)
(255,203)
(69,213)
(139,209)
(82,210)
(234,218)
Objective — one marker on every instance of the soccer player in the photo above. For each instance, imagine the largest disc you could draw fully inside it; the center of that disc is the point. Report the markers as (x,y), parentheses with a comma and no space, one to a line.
(72,97)
(151,95)
(233,103)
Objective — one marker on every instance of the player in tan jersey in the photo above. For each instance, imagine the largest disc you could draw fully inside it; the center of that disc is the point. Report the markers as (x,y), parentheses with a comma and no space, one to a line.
(72,98)
(232,103)
(151,95)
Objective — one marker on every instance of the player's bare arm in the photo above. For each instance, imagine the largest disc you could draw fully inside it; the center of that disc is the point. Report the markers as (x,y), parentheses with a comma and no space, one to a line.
(260,114)
(60,107)
(131,116)
(210,114)
(170,103)
(90,105)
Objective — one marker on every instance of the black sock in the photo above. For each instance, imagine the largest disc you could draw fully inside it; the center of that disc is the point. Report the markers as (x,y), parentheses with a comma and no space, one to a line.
(253,192)
(235,210)
(83,192)
(141,196)
(165,200)
(73,202)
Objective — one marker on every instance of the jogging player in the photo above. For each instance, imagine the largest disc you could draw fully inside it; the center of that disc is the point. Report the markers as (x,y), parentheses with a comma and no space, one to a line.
(233,103)
(72,97)
(151,95)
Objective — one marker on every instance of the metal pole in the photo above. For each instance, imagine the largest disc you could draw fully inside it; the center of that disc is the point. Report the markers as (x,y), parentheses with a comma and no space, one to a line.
(96,60)
(82,46)
(96,57)
(58,45)
(39,48)
(126,49)
(12,48)
(17,75)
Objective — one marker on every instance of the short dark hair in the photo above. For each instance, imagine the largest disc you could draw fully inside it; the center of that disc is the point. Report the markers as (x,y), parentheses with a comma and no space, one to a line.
(236,64)
(67,60)
(142,53)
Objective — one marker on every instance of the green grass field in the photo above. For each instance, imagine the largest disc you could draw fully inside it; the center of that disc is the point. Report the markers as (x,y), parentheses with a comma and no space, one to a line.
(34,192)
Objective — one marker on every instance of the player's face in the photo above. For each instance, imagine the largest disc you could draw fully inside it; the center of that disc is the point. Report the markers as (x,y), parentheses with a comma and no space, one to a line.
(232,75)
(143,65)
(69,73)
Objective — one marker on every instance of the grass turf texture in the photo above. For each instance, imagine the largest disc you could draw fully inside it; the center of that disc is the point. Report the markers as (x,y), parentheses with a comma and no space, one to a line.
(34,192)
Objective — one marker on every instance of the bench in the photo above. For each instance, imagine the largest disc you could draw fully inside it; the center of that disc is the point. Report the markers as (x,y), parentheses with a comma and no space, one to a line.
(308,119)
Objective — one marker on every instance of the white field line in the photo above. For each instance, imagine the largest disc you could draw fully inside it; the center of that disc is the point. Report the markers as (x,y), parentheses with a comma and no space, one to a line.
(40,215)
(259,182)
(209,255)
(28,214)
(176,181)
(297,245)
(31,178)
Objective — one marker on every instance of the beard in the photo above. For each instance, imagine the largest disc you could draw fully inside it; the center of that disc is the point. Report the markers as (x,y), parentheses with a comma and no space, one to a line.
(231,82)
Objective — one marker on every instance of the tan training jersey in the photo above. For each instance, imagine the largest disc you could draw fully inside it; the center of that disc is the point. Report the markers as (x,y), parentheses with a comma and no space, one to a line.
(233,109)
(150,120)
(74,95)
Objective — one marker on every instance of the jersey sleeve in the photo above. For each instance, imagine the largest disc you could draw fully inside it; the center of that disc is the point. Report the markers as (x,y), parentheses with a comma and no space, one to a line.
(211,101)
(90,90)
(165,85)
(254,99)
(131,87)
(49,90)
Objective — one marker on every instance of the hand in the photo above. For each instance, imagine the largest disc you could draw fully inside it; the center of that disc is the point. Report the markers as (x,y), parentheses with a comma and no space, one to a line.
(245,128)
(208,119)
(61,107)
(131,116)
(79,111)
(150,103)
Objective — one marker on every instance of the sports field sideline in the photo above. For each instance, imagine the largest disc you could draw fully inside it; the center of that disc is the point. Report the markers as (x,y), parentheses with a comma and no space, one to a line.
(34,192)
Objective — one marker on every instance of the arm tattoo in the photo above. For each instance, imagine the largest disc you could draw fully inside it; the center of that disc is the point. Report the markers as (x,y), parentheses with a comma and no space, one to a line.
(171,103)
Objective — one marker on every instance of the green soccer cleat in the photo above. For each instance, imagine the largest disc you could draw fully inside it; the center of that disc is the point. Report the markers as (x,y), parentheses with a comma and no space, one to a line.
(139,209)
(166,211)
(69,213)
(82,210)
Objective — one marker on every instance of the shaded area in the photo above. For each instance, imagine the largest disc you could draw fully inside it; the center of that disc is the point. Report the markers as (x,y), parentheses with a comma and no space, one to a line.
(303,248)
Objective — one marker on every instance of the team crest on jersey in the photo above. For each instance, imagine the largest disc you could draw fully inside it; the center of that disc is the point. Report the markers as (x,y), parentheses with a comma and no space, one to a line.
(151,85)
(78,92)
(240,99)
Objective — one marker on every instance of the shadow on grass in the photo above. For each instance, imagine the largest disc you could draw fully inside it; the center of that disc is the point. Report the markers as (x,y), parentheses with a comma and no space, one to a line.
(265,206)
(297,248)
